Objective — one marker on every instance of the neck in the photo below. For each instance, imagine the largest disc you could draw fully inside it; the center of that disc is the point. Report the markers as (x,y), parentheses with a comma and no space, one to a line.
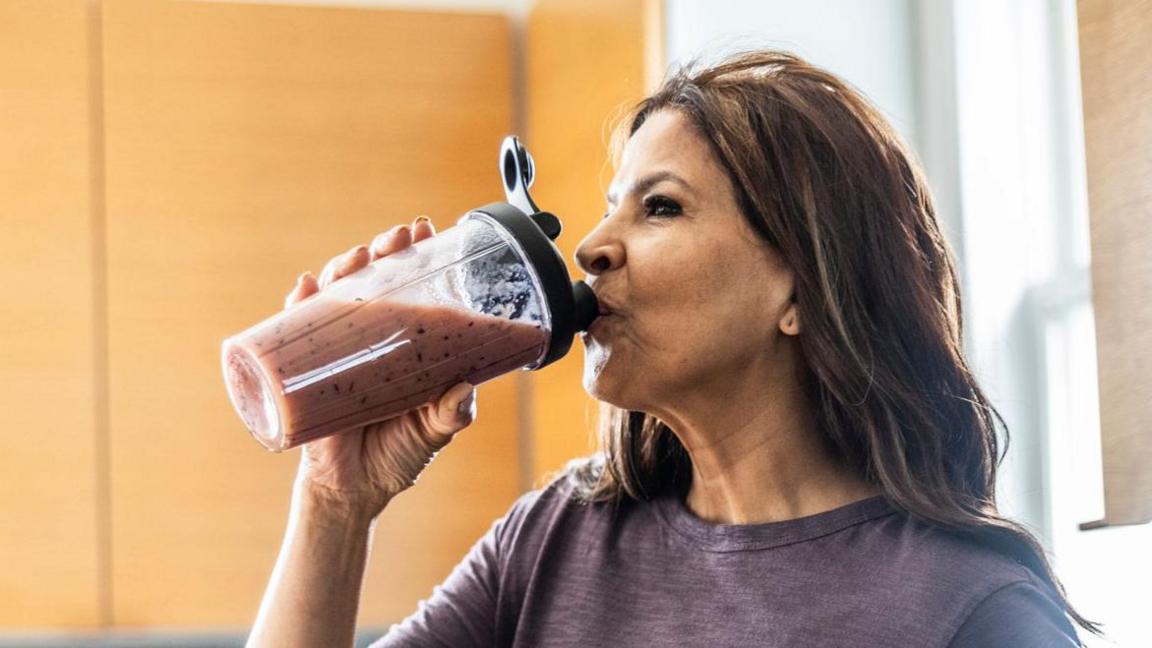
(763,461)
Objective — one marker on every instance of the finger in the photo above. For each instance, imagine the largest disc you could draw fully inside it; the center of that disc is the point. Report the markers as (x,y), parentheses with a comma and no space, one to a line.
(326,273)
(305,287)
(380,241)
(333,268)
(354,260)
(309,286)
(422,228)
(392,241)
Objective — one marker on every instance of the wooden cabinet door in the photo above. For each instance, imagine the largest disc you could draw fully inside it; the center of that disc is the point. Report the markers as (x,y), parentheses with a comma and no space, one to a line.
(48,332)
(245,144)
(1115,57)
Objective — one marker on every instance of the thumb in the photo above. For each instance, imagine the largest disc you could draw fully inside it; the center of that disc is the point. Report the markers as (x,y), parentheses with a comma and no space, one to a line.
(456,409)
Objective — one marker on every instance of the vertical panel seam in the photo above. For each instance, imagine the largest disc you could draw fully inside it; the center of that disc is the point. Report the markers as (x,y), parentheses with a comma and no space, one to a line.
(526,428)
(99,283)
(654,31)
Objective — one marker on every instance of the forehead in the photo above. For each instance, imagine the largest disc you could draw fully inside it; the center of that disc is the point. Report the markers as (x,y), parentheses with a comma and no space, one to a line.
(665,136)
(668,142)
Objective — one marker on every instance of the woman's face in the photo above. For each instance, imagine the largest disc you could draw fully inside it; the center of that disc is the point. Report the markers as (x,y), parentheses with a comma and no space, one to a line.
(700,304)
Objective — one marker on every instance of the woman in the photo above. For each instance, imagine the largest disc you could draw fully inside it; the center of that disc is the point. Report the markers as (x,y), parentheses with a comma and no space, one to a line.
(794,451)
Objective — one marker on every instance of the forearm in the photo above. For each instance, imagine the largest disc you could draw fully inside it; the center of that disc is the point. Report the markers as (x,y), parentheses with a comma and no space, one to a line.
(313,595)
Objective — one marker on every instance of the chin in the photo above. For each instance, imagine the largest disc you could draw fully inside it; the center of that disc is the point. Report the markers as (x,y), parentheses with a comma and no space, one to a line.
(604,380)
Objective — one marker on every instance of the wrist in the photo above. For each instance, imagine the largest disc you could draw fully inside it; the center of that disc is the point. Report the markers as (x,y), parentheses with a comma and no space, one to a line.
(352,512)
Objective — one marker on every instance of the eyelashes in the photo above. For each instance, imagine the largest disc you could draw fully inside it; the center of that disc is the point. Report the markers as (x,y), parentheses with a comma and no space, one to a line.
(661,206)
(658,206)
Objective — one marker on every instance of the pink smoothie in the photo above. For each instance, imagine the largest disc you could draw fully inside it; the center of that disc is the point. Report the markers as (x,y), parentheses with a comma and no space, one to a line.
(328,365)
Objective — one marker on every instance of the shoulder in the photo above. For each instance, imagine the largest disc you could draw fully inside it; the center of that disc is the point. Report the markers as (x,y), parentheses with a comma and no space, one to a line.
(1023,613)
(908,547)
(953,577)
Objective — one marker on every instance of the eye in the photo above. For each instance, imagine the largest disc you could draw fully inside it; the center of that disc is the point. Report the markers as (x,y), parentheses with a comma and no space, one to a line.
(661,206)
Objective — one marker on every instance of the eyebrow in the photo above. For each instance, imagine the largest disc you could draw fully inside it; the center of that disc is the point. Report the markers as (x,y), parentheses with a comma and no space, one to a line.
(647,182)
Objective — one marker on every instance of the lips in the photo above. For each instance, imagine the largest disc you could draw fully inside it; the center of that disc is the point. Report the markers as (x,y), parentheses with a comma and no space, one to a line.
(606,306)
(595,327)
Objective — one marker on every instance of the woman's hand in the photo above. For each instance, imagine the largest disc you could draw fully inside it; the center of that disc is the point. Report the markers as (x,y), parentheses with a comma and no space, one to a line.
(363,469)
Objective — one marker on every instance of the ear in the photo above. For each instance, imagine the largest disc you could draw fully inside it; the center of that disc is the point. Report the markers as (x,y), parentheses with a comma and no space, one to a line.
(790,320)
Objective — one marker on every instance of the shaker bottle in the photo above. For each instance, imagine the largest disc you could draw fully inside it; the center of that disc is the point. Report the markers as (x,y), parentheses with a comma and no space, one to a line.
(485,297)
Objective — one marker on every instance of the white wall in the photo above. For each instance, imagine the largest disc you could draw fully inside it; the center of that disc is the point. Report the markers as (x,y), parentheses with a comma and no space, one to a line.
(867,43)
(897,52)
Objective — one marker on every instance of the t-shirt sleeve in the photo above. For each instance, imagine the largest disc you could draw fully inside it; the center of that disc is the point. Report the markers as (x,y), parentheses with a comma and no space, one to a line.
(461,611)
(1021,615)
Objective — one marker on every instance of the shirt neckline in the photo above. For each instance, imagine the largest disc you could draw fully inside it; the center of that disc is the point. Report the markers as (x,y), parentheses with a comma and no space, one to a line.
(766,535)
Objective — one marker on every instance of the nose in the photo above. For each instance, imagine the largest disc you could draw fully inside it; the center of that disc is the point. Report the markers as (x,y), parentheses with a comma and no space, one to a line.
(599,252)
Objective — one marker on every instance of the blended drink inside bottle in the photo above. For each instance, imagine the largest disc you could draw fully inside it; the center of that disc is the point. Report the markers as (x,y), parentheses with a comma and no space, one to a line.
(330,364)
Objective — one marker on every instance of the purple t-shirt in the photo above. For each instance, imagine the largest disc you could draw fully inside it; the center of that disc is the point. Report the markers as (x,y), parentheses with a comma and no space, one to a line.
(557,572)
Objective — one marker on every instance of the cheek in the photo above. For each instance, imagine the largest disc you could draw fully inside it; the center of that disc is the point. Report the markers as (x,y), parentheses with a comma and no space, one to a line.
(716,313)
(689,306)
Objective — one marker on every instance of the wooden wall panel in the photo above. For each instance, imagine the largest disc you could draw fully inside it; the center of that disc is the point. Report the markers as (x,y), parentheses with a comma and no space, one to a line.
(48,530)
(1116,56)
(245,144)
(586,61)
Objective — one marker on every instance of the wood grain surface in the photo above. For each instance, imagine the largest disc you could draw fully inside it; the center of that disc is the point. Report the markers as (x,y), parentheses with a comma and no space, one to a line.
(48,363)
(1116,72)
(245,144)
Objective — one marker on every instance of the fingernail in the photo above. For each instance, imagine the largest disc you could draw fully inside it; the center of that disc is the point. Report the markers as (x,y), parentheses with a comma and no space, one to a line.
(300,279)
(466,404)
(423,219)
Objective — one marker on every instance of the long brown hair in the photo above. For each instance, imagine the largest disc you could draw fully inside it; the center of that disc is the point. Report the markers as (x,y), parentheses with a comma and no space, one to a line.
(823,178)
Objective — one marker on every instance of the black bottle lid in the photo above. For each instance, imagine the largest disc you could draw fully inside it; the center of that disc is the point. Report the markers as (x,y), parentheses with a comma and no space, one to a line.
(572,304)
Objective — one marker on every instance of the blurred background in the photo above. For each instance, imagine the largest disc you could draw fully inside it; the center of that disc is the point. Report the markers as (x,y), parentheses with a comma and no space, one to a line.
(167,168)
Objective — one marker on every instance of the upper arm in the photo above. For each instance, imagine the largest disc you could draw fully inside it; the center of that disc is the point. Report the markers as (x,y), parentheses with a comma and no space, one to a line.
(1021,614)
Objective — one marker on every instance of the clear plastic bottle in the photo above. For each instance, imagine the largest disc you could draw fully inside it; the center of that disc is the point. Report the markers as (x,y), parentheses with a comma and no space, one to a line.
(485,297)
